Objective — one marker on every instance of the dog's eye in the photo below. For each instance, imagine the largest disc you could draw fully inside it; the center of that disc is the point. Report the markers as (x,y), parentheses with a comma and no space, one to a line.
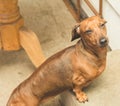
(88,32)
(103,24)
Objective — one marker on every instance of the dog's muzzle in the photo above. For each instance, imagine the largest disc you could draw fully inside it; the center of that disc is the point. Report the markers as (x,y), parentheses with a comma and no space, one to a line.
(103,42)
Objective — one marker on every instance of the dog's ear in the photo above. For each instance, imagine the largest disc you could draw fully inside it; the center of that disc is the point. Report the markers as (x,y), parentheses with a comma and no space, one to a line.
(76,32)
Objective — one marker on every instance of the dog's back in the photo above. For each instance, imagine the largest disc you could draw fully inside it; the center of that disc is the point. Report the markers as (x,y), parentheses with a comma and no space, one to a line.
(51,78)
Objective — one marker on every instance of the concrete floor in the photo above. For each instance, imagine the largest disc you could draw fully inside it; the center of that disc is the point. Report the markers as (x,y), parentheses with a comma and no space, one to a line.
(52,23)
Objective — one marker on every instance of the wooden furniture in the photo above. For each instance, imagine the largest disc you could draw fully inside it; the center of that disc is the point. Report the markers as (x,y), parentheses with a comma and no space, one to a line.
(74,6)
(13,34)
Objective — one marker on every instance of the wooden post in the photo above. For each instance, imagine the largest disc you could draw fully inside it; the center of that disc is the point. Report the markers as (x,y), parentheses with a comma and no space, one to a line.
(71,9)
(100,7)
(10,23)
(91,7)
(79,9)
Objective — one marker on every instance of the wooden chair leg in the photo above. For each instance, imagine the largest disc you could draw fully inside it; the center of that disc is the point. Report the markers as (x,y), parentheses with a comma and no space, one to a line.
(31,45)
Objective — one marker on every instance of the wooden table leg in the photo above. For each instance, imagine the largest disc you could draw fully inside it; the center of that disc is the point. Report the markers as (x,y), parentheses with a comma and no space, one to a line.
(12,35)
(10,22)
(31,45)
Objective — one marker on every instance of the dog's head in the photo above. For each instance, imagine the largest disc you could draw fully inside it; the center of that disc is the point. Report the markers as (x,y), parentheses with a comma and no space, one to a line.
(92,32)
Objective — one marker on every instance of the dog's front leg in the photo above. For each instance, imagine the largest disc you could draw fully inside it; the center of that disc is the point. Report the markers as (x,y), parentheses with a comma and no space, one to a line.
(79,81)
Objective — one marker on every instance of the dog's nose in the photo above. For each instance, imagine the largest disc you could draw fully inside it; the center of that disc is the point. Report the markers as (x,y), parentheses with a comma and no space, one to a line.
(103,41)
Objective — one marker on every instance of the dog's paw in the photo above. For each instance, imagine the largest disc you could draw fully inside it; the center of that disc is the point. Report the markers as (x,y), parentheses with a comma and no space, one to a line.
(82,97)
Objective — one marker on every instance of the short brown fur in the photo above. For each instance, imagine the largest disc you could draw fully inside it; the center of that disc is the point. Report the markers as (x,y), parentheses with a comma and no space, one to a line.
(72,68)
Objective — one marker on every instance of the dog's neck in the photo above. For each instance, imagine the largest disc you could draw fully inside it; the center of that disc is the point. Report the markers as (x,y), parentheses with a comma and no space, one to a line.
(96,52)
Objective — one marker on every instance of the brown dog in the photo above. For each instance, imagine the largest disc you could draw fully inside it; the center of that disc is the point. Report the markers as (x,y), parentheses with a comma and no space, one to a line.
(74,67)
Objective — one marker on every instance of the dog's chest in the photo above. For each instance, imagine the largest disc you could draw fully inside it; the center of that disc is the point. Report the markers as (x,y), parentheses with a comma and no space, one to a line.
(85,60)
(86,63)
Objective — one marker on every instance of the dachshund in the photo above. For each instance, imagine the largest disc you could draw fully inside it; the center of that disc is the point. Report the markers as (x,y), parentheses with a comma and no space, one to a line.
(72,68)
